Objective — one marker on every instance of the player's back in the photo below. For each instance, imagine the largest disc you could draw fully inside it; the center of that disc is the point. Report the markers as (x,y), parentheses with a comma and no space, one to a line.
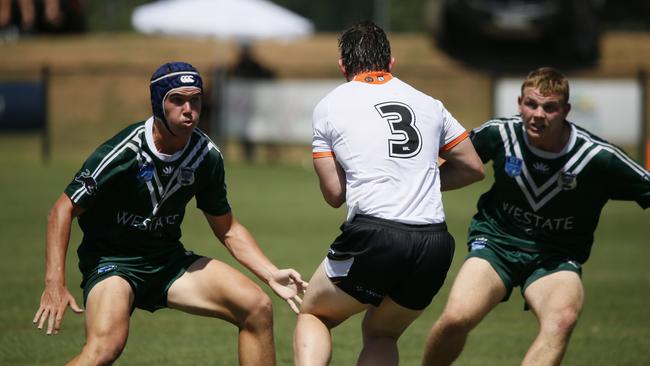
(386,135)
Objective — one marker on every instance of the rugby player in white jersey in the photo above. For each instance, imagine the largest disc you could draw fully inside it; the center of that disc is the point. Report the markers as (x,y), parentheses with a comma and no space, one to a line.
(535,226)
(376,143)
(130,197)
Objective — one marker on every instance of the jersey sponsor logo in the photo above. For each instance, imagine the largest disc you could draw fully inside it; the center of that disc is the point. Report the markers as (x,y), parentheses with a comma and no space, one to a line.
(187,79)
(567,181)
(186,176)
(168,170)
(87,181)
(513,166)
(537,222)
(541,167)
(147,223)
(145,173)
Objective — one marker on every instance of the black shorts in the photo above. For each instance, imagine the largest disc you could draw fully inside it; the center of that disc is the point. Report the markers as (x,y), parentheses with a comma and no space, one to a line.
(374,258)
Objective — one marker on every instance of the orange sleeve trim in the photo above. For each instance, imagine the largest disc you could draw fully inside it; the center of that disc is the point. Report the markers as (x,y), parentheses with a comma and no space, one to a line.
(455,141)
(324,154)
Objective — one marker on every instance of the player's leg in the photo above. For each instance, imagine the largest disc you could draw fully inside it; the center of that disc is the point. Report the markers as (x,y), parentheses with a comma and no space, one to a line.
(324,307)
(213,288)
(477,289)
(381,327)
(108,309)
(556,300)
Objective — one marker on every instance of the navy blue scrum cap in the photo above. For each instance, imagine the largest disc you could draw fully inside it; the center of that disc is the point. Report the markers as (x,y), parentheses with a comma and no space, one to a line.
(167,78)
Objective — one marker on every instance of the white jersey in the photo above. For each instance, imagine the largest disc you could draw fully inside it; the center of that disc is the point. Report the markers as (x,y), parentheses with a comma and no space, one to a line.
(386,135)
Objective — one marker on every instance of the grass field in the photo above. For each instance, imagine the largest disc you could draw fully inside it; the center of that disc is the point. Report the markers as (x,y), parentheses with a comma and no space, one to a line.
(282,206)
(98,85)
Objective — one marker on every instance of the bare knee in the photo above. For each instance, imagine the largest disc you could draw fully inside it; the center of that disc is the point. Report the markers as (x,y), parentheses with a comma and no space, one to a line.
(562,323)
(455,321)
(259,313)
(103,351)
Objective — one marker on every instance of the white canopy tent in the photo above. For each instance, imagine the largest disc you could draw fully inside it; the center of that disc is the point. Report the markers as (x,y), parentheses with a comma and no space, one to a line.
(240,20)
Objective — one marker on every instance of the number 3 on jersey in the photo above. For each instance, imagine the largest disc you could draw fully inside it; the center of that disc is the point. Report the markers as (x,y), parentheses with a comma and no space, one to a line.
(401,120)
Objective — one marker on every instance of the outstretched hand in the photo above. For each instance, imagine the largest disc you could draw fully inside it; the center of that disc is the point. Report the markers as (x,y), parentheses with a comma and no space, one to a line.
(54,302)
(288,284)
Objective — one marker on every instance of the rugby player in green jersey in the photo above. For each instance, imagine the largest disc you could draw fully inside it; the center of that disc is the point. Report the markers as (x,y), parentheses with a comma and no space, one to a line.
(535,226)
(130,197)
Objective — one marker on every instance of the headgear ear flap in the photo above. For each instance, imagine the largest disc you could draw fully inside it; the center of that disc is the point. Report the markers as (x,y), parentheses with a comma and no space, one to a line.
(165,79)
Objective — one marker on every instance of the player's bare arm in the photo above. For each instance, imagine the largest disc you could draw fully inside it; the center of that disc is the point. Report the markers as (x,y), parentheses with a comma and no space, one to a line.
(462,166)
(332,180)
(286,283)
(56,297)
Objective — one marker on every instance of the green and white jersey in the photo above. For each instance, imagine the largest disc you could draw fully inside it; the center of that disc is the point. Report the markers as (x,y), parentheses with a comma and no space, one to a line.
(134,197)
(550,201)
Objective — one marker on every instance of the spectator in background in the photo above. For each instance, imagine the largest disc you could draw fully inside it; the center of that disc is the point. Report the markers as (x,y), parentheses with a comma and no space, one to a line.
(29,16)
(247,67)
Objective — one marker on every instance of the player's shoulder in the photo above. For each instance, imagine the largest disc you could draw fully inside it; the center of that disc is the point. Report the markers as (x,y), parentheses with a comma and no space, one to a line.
(604,151)
(498,123)
(202,141)
(126,139)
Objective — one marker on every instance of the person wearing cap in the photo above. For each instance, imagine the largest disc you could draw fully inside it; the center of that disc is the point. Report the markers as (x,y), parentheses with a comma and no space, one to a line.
(129,198)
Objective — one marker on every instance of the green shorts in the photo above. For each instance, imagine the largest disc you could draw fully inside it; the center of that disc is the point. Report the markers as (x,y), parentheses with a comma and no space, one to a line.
(520,266)
(150,276)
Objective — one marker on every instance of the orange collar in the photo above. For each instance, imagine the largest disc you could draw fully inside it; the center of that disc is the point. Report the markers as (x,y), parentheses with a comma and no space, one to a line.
(373,77)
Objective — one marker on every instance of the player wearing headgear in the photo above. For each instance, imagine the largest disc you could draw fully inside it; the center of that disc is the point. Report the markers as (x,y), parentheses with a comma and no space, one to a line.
(130,197)
(376,144)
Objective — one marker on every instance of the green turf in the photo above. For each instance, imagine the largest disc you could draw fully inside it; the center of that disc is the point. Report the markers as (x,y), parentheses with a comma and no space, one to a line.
(282,207)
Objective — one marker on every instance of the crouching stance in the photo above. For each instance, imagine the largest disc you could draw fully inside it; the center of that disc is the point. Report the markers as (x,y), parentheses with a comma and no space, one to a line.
(130,197)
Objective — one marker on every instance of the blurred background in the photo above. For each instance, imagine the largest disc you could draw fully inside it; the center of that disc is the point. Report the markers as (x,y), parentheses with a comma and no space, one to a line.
(267,63)
(74,72)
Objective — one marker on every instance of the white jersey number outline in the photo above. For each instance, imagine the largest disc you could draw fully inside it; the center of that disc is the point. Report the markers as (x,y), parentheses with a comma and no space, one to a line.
(401,120)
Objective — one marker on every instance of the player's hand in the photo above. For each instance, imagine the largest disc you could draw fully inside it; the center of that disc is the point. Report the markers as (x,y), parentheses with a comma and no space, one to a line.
(54,301)
(288,284)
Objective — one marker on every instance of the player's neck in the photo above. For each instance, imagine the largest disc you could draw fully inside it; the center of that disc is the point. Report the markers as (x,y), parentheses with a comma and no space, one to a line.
(165,142)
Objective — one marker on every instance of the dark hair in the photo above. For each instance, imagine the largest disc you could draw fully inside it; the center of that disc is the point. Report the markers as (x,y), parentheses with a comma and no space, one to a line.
(364,47)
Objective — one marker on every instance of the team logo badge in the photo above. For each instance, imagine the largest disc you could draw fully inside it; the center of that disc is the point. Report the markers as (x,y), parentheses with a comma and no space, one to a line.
(567,181)
(186,176)
(513,166)
(88,181)
(145,173)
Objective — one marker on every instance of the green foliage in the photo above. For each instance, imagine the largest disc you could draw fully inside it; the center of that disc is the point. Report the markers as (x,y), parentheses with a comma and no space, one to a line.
(282,207)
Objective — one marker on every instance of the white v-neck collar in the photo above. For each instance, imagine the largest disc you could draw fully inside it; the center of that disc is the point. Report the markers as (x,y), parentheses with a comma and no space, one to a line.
(551,155)
(148,132)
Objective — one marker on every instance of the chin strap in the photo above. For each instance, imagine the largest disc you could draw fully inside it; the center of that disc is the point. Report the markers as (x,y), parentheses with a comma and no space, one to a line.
(168,129)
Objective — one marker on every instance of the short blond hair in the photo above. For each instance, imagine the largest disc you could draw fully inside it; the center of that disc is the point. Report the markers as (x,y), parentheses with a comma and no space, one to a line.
(549,81)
